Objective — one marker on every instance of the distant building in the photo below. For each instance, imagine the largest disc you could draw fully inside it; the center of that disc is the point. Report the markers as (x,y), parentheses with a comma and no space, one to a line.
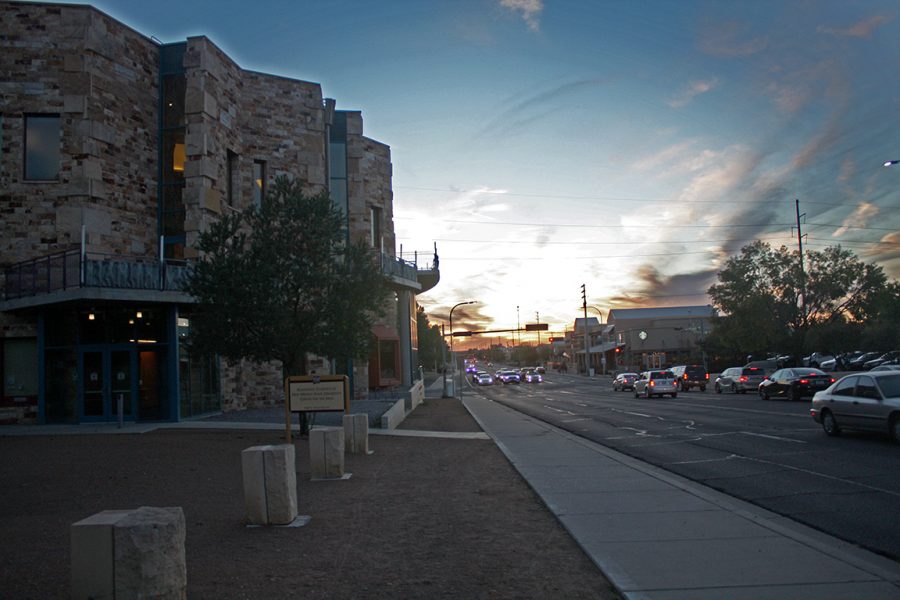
(659,337)
(116,152)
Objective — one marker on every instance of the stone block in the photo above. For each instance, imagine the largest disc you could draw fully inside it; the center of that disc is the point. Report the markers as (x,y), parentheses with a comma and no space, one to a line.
(270,484)
(129,554)
(326,452)
(356,434)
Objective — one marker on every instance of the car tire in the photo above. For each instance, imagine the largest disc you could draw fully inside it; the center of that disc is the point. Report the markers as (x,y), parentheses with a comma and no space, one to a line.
(733,388)
(718,389)
(830,424)
(765,394)
(789,394)
(895,429)
(647,392)
(702,388)
(635,392)
(675,395)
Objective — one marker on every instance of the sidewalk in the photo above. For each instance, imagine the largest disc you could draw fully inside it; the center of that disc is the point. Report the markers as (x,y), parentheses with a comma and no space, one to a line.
(657,535)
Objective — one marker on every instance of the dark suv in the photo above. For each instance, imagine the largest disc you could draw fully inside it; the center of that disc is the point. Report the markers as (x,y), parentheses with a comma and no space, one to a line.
(691,376)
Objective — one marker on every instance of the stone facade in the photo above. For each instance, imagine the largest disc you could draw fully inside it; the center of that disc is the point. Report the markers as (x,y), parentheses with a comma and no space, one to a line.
(103,80)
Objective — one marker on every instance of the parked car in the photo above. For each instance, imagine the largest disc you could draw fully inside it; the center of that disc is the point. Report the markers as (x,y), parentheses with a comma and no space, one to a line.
(482,378)
(738,380)
(860,401)
(624,381)
(794,384)
(815,359)
(507,376)
(856,364)
(894,367)
(655,383)
(690,376)
(533,377)
(886,358)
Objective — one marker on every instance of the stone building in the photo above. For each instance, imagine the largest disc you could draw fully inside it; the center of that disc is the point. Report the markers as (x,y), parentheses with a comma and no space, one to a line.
(116,151)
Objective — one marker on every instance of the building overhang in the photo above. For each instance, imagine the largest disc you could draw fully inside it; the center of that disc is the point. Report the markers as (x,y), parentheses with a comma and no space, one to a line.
(96,294)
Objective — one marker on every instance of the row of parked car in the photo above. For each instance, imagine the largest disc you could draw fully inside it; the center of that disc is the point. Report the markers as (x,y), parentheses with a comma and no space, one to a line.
(869,401)
(852,361)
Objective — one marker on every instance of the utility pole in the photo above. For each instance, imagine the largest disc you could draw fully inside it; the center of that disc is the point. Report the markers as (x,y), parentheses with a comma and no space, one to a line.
(518,335)
(802,270)
(587,346)
(443,361)
(537,317)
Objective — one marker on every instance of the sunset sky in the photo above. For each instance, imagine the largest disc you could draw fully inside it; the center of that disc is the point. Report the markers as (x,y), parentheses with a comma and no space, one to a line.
(628,146)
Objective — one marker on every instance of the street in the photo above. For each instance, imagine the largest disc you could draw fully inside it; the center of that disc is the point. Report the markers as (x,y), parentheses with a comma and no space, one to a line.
(769,453)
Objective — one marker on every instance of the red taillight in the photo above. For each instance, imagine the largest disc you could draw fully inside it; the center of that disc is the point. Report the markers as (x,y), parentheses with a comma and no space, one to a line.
(804,381)
(742,378)
(833,380)
(652,383)
(685,376)
(766,378)
(707,376)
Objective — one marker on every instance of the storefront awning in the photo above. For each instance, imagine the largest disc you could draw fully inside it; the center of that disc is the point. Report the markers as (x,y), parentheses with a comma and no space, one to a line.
(383,332)
(604,347)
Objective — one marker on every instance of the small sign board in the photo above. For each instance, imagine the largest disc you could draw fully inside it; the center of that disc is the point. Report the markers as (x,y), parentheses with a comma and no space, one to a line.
(317,393)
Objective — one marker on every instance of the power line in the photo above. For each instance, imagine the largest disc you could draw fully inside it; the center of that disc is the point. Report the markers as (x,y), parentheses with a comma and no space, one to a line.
(600,198)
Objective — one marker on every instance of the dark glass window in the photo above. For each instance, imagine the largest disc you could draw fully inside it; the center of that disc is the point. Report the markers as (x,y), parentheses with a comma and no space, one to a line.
(232,182)
(41,147)
(173,100)
(376,228)
(845,387)
(259,182)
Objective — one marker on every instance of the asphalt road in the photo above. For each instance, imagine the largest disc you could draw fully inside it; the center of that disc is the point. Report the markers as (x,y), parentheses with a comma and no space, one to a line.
(769,453)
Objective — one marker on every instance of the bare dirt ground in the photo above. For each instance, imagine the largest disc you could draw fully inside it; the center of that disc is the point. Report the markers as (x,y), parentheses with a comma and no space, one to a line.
(419,518)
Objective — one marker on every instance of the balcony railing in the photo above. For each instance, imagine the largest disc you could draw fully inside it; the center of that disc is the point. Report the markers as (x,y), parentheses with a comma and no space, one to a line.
(66,270)
(397,267)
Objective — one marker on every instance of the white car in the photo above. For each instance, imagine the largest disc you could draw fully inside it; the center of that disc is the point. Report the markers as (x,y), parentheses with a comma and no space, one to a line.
(656,383)
(860,401)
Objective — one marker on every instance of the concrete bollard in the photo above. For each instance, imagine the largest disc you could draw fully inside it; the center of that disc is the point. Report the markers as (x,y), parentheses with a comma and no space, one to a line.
(356,434)
(270,484)
(326,452)
(129,554)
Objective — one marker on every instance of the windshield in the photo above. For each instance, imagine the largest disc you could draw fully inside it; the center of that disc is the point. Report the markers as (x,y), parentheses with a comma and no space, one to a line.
(890,386)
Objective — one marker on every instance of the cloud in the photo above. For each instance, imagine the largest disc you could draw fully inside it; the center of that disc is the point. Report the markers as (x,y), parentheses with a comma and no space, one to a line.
(858,218)
(863,29)
(730,40)
(530,10)
(513,119)
(654,289)
(693,89)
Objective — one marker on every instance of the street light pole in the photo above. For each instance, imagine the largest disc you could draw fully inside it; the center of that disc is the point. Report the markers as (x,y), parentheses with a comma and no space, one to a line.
(452,357)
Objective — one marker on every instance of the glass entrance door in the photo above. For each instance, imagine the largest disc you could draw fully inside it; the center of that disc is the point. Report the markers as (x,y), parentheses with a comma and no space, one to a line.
(107,379)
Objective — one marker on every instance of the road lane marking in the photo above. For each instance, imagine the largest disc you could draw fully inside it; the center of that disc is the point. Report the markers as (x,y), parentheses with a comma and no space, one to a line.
(772,437)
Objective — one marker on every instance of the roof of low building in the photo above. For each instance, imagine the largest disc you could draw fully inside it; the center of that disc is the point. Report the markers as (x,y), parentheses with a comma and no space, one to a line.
(661,312)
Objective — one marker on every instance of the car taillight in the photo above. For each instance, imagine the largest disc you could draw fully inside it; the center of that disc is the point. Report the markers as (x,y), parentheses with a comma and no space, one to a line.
(742,378)
(766,378)
(833,380)
(707,376)
(652,383)
(685,376)
(804,381)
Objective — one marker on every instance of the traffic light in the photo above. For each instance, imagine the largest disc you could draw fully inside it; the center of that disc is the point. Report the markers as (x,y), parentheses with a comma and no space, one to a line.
(583,296)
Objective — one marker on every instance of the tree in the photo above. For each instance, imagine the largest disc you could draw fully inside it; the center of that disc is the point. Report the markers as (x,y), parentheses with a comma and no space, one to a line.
(432,347)
(279,281)
(760,292)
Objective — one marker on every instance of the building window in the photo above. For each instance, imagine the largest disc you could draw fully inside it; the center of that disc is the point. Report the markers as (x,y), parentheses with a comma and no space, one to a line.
(20,367)
(259,182)
(41,147)
(232,175)
(376,238)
